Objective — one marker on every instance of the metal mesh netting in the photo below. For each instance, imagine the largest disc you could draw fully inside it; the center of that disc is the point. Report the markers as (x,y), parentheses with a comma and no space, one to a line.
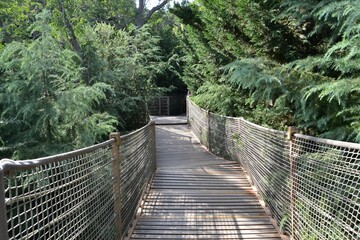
(71,195)
(67,199)
(199,120)
(264,153)
(326,189)
(138,157)
(310,185)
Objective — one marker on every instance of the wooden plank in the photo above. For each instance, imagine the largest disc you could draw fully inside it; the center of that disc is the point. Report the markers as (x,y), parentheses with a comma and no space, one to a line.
(196,195)
(153,221)
(209,202)
(167,119)
(207,181)
(201,181)
(211,159)
(182,201)
(200,211)
(200,195)
(192,215)
(203,198)
(206,231)
(185,228)
(200,178)
(227,237)
(200,204)
(208,217)
(221,179)
(192,174)
(235,223)
(207,236)
(214,206)
(191,177)
(200,174)
(169,224)
(204,191)
(202,187)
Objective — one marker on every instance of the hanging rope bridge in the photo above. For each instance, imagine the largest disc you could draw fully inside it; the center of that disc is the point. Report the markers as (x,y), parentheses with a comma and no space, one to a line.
(139,186)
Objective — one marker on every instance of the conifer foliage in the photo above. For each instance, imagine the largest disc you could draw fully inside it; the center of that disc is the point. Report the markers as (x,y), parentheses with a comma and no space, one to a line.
(54,97)
(46,106)
(277,63)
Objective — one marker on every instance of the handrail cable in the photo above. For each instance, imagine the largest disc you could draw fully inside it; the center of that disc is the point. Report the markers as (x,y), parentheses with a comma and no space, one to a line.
(83,194)
(311,185)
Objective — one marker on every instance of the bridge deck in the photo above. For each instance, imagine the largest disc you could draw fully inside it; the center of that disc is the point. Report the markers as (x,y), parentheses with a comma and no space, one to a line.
(196,195)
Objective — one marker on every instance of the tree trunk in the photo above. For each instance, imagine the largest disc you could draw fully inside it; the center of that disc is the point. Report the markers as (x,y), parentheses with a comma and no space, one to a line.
(142,16)
(73,39)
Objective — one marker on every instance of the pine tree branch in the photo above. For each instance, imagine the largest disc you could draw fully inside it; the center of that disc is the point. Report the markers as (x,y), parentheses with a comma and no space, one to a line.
(154,9)
(140,19)
(73,39)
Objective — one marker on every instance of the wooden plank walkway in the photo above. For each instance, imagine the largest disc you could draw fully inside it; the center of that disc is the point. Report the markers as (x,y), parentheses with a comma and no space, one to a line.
(196,195)
(169,120)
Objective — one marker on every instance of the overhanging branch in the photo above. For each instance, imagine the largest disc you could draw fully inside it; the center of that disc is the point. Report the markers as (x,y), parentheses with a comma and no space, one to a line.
(154,9)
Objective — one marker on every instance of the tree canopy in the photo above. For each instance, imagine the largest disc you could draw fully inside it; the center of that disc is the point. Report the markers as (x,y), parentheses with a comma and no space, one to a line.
(71,71)
(277,63)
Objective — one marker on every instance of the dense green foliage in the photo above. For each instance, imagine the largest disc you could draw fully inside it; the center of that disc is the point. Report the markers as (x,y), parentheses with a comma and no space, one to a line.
(73,72)
(40,85)
(162,25)
(277,63)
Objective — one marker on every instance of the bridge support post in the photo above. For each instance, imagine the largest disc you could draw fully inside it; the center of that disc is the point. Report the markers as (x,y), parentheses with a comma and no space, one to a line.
(208,135)
(115,148)
(3,220)
(154,146)
(290,135)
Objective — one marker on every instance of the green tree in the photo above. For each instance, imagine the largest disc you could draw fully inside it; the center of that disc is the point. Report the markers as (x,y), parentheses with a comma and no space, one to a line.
(162,25)
(15,17)
(46,105)
(66,80)
(129,61)
(278,63)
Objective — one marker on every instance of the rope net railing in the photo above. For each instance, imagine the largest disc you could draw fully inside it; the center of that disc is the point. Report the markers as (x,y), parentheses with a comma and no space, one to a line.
(310,185)
(92,193)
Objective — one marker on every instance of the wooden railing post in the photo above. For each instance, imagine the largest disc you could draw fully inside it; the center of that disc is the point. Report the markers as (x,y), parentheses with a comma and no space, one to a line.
(168,105)
(3,220)
(154,146)
(115,148)
(187,109)
(209,136)
(290,134)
